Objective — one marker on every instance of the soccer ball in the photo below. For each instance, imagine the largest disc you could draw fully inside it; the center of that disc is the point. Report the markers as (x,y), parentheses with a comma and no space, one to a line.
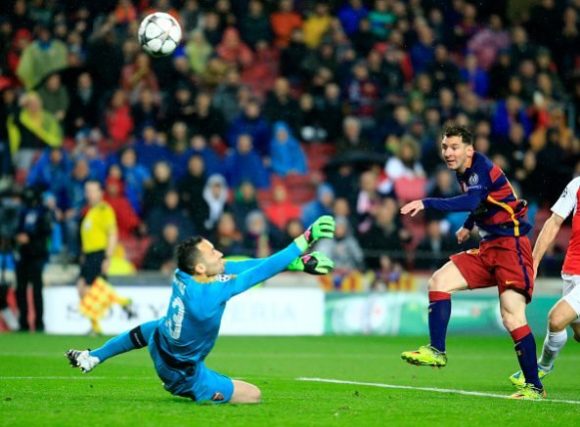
(159,34)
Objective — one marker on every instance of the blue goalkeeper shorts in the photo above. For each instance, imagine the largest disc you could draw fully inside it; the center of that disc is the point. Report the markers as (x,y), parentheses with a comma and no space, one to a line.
(194,381)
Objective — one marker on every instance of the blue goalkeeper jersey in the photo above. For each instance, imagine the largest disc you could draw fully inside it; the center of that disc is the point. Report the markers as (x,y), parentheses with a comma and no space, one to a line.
(190,328)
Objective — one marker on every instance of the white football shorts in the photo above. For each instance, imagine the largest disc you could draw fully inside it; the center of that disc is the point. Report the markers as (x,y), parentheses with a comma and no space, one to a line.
(571,293)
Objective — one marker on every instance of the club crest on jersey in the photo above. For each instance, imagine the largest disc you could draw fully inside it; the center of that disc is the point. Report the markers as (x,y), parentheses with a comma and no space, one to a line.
(223,277)
(473,180)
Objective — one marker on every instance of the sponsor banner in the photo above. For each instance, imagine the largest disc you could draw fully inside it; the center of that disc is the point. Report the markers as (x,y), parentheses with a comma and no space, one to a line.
(406,314)
(284,311)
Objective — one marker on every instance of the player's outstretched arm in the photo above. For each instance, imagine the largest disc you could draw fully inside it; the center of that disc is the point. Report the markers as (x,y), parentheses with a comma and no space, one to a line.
(323,227)
(545,238)
(315,263)
(237,267)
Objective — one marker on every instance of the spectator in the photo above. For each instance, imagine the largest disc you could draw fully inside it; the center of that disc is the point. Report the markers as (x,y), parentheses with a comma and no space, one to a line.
(475,76)
(317,24)
(215,194)
(161,183)
(282,209)
(251,122)
(34,230)
(160,255)
(83,111)
(138,76)
(405,164)
(310,124)
(292,57)
(435,248)
(331,111)
(75,201)
(145,111)
(280,106)
(287,155)
(321,206)
(30,129)
(294,228)
(191,14)
(169,211)
(225,98)
(51,172)
(347,255)
(198,147)
(284,22)
(198,51)
(385,236)
(351,14)
(254,25)
(381,19)
(190,188)
(244,202)
(352,140)
(118,120)
(206,120)
(489,41)
(182,107)
(368,198)
(151,149)
(41,58)
(228,239)
(258,238)
(127,220)
(233,50)
(244,164)
(54,97)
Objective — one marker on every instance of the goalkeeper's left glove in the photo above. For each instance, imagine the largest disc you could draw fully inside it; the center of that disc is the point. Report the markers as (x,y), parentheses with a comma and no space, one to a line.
(323,227)
(315,263)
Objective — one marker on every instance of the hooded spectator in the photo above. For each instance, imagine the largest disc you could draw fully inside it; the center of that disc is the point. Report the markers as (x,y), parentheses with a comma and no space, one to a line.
(287,155)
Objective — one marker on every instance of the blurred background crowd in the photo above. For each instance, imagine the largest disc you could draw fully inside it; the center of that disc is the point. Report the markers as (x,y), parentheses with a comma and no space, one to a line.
(273,112)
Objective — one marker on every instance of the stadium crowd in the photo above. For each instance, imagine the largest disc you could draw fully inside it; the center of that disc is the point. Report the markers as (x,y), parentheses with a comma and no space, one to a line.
(274,112)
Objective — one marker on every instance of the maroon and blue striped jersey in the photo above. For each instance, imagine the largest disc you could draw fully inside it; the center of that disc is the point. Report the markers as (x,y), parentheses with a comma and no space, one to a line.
(489,197)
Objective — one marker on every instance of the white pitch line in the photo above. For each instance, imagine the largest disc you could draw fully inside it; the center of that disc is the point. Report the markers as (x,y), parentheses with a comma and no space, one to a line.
(432,389)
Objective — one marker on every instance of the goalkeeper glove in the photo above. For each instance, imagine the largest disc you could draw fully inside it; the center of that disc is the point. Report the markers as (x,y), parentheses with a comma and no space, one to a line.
(323,227)
(315,263)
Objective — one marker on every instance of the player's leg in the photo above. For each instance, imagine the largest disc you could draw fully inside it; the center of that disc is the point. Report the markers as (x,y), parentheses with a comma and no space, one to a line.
(560,316)
(21,297)
(36,280)
(442,284)
(130,340)
(245,393)
(513,314)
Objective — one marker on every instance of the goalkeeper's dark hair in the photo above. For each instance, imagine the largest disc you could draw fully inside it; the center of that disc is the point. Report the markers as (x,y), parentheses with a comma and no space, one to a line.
(188,254)
(460,131)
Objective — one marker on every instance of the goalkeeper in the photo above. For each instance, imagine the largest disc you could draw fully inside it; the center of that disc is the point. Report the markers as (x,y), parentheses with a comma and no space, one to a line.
(202,285)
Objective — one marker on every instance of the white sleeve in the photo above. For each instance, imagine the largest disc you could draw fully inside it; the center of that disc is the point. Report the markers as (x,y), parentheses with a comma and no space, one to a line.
(568,199)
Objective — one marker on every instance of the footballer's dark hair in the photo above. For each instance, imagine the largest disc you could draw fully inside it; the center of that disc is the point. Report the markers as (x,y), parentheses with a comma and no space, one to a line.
(188,254)
(460,131)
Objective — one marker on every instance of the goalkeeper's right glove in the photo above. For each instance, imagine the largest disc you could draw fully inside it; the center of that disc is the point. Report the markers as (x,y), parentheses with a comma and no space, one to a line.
(315,263)
(323,227)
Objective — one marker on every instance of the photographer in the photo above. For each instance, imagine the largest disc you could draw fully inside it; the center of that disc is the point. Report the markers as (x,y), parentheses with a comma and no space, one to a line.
(34,230)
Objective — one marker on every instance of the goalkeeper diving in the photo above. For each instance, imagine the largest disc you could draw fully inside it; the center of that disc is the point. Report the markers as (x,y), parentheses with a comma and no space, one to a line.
(202,284)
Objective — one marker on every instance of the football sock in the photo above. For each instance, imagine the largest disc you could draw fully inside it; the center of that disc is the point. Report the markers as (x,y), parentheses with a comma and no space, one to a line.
(553,343)
(526,351)
(127,341)
(439,314)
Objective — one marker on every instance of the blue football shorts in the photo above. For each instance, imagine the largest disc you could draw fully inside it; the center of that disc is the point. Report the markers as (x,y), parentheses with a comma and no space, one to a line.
(196,382)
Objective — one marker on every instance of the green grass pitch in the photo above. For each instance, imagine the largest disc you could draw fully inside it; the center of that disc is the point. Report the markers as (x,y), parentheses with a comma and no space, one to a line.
(37,387)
